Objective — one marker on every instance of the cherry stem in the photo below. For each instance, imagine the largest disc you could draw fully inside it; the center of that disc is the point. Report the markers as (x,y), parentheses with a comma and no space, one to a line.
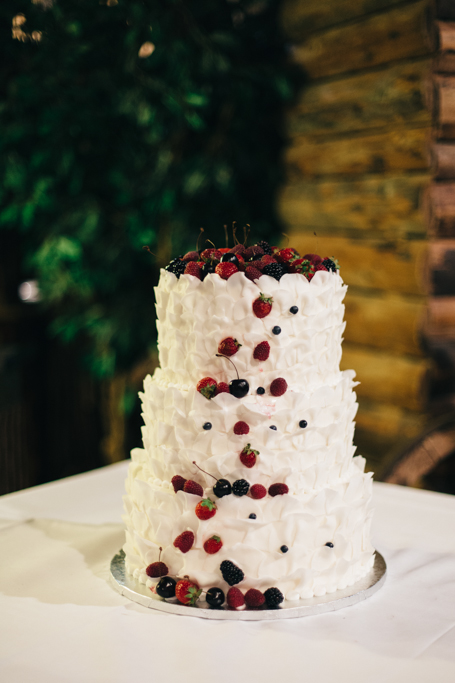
(226,236)
(220,355)
(201,230)
(287,236)
(246,234)
(146,248)
(200,468)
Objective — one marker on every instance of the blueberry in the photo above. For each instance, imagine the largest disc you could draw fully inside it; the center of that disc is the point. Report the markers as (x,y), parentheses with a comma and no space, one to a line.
(165,587)
(207,426)
(276,330)
(252,516)
(273,427)
(260,391)
(284,548)
(303,424)
(294,310)
(329,544)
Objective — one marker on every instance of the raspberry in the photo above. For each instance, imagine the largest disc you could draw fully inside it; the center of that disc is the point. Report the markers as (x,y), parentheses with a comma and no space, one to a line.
(205,509)
(258,491)
(250,253)
(213,545)
(241,428)
(273,597)
(191,256)
(222,388)
(156,569)
(238,249)
(231,574)
(261,351)
(265,246)
(278,387)
(252,273)
(194,268)
(193,487)
(276,270)
(314,258)
(184,541)
(262,306)
(320,266)
(235,598)
(254,598)
(178,482)
(266,259)
(240,487)
(226,269)
(229,346)
(207,387)
(187,592)
(278,490)
(248,456)
(330,264)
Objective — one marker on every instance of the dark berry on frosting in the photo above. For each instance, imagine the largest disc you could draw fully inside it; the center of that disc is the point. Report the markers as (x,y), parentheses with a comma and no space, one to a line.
(257,491)
(177,267)
(207,426)
(276,329)
(303,424)
(284,548)
(184,541)
(329,544)
(215,597)
(239,388)
(278,387)
(330,265)
(294,310)
(273,597)
(254,598)
(261,351)
(241,428)
(275,270)
(273,427)
(178,482)
(260,391)
(278,489)
(222,488)
(231,574)
(265,246)
(235,599)
(156,569)
(252,516)
(193,487)
(240,487)
(165,587)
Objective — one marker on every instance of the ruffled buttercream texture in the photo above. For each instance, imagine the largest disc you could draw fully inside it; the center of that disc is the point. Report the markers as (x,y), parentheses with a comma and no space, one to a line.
(329,499)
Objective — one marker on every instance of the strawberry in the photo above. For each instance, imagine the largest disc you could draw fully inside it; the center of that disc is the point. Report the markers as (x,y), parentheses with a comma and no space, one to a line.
(178,483)
(156,569)
(285,255)
(191,256)
(194,268)
(222,388)
(226,269)
(235,599)
(187,592)
(213,545)
(278,489)
(261,351)
(229,346)
(294,265)
(258,491)
(262,306)
(205,509)
(184,541)
(278,387)
(207,387)
(252,273)
(241,428)
(248,456)
(193,487)
(314,258)
(224,250)
(217,254)
(254,598)
(206,254)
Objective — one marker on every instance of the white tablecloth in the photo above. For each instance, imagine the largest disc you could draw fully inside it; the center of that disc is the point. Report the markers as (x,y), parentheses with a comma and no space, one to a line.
(61,622)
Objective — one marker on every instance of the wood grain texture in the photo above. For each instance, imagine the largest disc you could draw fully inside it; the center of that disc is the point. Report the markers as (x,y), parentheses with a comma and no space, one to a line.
(440,96)
(442,160)
(377,39)
(364,102)
(393,150)
(439,208)
(386,378)
(388,205)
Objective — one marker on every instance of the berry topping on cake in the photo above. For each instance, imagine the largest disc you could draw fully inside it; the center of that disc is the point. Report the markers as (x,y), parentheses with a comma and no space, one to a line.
(313,258)
(177,267)
(294,310)
(184,541)
(178,483)
(265,246)
(207,387)
(238,249)
(251,253)
(284,548)
(191,256)
(261,351)
(241,428)
(275,270)
(222,388)
(248,456)
(240,487)
(254,598)
(193,487)
(194,268)
(205,509)
(252,273)
(303,424)
(262,306)
(207,426)
(213,545)
(266,260)
(276,329)
(260,391)
(252,515)
(285,255)
(237,387)
(207,254)
(235,599)
(257,491)
(215,597)
(156,569)
(320,267)
(225,270)
(278,489)
(231,573)
(278,387)
(229,257)
(331,264)
(165,587)
(273,597)
(329,544)
(222,488)
(187,592)
(274,427)
(228,347)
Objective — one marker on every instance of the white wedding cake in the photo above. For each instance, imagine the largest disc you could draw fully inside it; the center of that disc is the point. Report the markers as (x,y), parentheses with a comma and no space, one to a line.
(295,510)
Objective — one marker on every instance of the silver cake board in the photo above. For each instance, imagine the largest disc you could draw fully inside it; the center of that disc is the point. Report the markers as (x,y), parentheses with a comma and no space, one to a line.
(129,587)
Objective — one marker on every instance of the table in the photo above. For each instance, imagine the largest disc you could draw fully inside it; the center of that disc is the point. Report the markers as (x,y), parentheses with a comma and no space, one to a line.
(61,622)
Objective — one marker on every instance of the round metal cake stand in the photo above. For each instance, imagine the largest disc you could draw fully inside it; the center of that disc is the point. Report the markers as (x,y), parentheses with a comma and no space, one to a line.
(130,588)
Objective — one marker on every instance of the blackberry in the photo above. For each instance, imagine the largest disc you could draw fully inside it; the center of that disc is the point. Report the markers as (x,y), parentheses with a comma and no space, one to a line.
(330,265)
(266,247)
(240,487)
(273,597)
(276,270)
(177,267)
(231,574)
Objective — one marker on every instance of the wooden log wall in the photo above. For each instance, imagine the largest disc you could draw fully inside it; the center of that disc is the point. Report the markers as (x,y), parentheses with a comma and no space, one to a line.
(358,163)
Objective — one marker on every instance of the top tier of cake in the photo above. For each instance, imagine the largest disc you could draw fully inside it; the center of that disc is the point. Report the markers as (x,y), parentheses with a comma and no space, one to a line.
(194,316)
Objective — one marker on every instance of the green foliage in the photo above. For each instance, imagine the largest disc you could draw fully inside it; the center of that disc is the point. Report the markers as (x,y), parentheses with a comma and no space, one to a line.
(103,151)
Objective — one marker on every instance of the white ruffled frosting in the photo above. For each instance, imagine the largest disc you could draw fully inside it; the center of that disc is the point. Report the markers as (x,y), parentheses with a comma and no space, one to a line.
(329,493)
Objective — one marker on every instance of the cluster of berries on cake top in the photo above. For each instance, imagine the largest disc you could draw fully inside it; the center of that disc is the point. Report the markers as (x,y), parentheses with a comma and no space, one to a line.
(256,260)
